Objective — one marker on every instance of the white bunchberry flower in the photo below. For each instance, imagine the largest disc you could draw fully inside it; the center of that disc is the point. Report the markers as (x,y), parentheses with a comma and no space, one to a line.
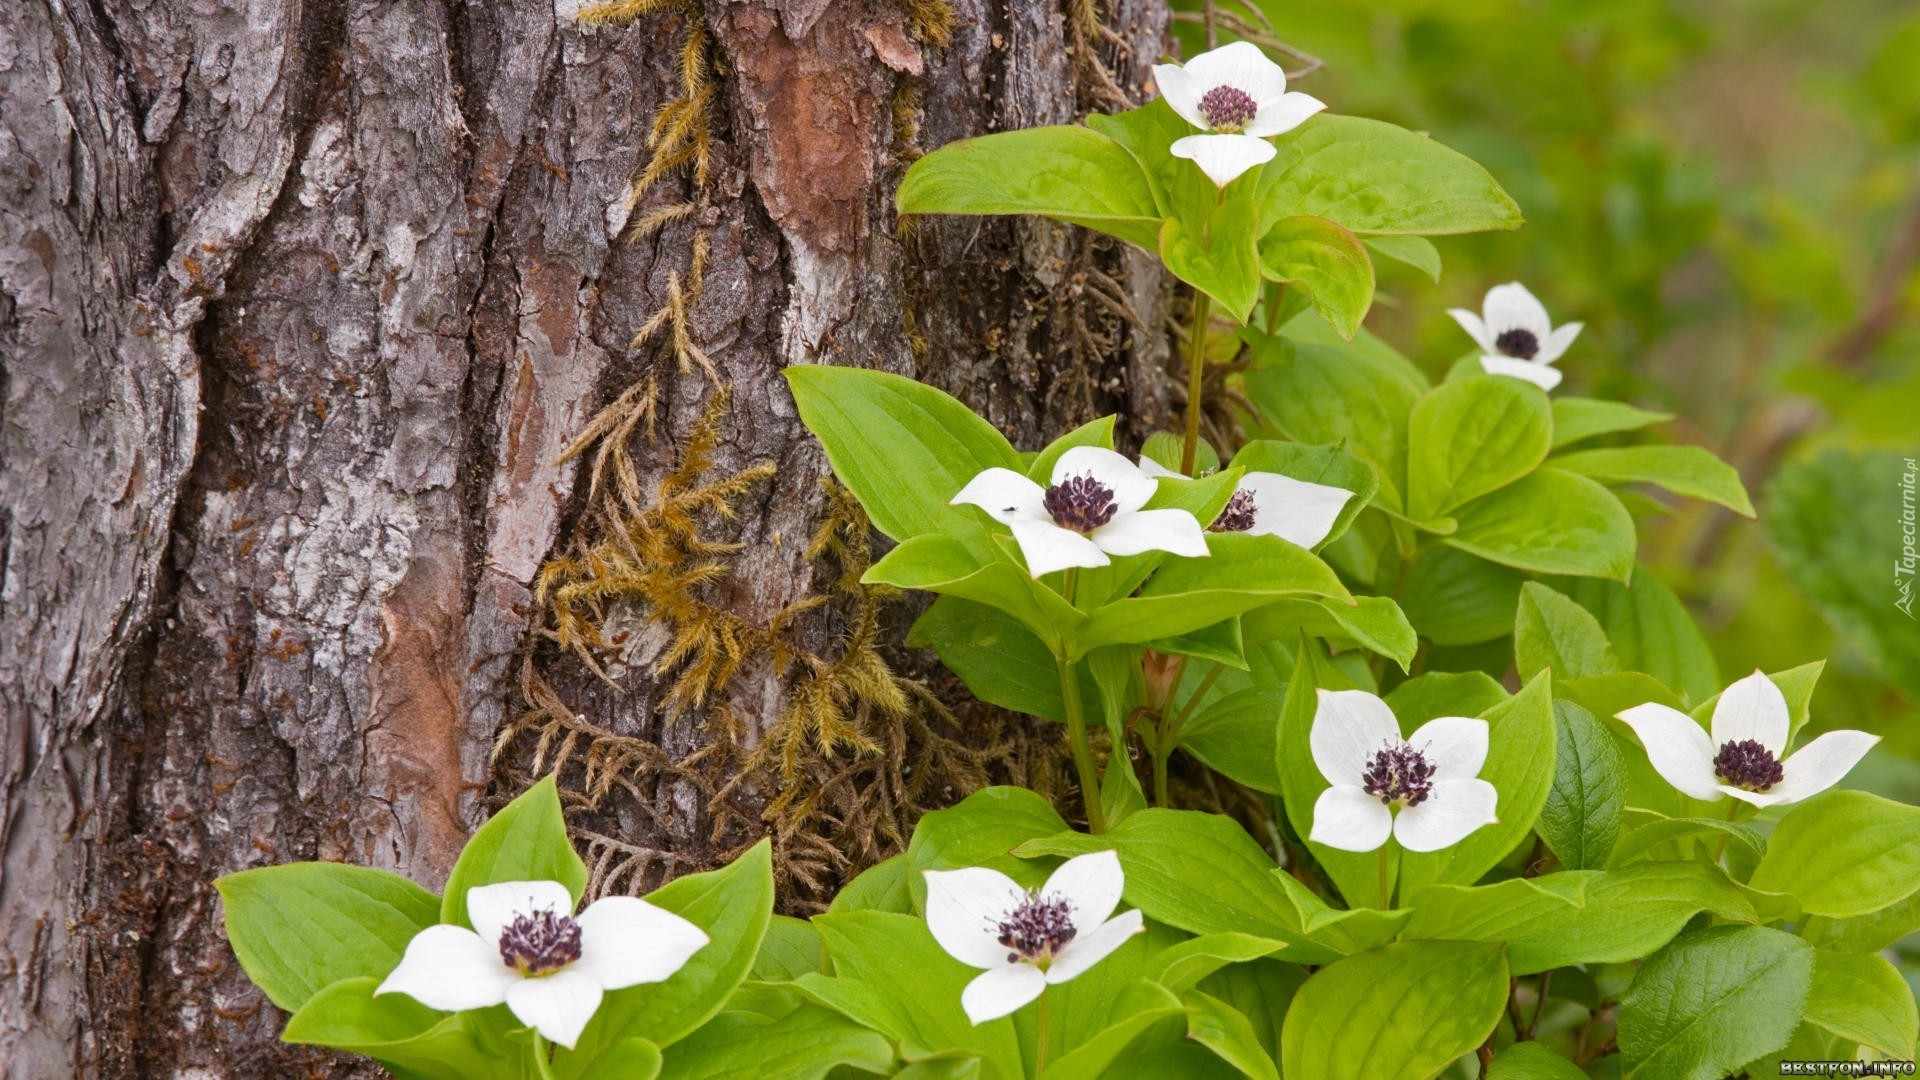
(1518,337)
(1270,504)
(1091,510)
(529,952)
(1746,756)
(1432,776)
(1027,940)
(1239,97)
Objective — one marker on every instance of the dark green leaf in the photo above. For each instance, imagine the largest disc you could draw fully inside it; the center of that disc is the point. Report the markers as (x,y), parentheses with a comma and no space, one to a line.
(1712,1001)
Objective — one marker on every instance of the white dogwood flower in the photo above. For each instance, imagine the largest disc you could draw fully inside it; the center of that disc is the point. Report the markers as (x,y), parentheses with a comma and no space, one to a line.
(1746,755)
(1239,97)
(1270,504)
(1027,940)
(1091,510)
(1518,337)
(529,952)
(1432,776)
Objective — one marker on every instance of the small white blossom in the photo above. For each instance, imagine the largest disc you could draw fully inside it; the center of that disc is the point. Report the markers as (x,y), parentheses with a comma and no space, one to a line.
(1027,940)
(1746,755)
(1433,777)
(1239,97)
(1518,337)
(1270,504)
(529,952)
(1091,510)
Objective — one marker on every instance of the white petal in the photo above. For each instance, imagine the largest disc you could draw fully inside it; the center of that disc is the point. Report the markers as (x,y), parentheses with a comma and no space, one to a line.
(1048,547)
(1453,809)
(1556,344)
(1761,799)
(995,993)
(1181,92)
(557,1005)
(964,910)
(1475,328)
(1678,748)
(491,907)
(1294,510)
(1540,375)
(1349,727)
(450,968)
(1277,116)
(1241,65)
(1150,467)
(1089,947)
(625,941)
(1455,746)
(1755,709)
(1152,530)
(1512,307)
(1005,495)
(1131,488)
(1224,157)
(1348,818)
(1821,763)
(1091,885)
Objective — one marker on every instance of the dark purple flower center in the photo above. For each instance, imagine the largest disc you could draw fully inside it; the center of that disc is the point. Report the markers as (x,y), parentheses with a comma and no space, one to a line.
(1080,503)
(1519,344)
(1747,764)
(1239,513)
(1037,929)
(1227,108)
(1398,773)
(540,942)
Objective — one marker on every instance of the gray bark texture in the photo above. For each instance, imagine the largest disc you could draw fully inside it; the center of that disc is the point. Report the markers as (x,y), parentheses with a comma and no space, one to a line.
(302,304)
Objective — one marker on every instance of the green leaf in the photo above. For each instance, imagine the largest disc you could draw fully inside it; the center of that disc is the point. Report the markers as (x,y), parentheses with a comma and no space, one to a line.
(1165,447)
(1002,662)
(1243,572)
(1577,418)
(1550,522)
(1373,622)
(1796,685)
(1179,188)
(1551,631)
(1402,1012)
(1866,933)
(734,905)
(903,448)
(880,887)
(1327,261)
(1578,916)
(1218,253)
(1100,1057)
(806,1043)
(1648,838)
(1071,174)
(1683,470)
(1472,437)
(628,1059)
(1864,999)
(1092,433)
(1532,1061)
(1454,598)
(1650,630)
(1712,1001)
(942,564)
(980,830)
(525,841)
(1373,177)
(299,927)
(1445,693)
(1415,251)
(1844,854)
(1581,819)
(1221,1028)
(1234,736)
(1333,466)
(397,1031)
(790,949)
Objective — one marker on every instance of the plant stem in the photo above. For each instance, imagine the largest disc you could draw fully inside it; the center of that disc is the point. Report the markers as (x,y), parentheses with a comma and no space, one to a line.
(1540,1006)
(1170,726)
(1040,1049)
(1082,749)
(1386,881)
(1733,810)
(542,1067)
(1196,374)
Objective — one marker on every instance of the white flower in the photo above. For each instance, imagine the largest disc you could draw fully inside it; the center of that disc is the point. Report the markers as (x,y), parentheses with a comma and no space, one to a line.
(1434,776)
(1240,98)
(1746,756)
(1091,511)
(1269,504)
(1518,337)
(1027,940)
(527,951)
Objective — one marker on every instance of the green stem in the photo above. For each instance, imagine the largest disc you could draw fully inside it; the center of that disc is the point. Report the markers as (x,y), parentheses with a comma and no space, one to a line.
(1733,811)
(1196,373)
(542,1067)
(1386,878)
(1170,726)
(1040,1050)
(1082,749)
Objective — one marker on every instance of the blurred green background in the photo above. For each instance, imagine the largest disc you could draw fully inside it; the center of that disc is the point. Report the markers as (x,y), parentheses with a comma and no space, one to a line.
(1728,195)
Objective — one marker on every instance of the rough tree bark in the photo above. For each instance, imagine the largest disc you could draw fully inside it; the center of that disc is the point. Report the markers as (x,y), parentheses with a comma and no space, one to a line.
(300,305)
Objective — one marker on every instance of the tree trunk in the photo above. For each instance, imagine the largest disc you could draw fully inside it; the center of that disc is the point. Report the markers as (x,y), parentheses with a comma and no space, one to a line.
(302,306)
